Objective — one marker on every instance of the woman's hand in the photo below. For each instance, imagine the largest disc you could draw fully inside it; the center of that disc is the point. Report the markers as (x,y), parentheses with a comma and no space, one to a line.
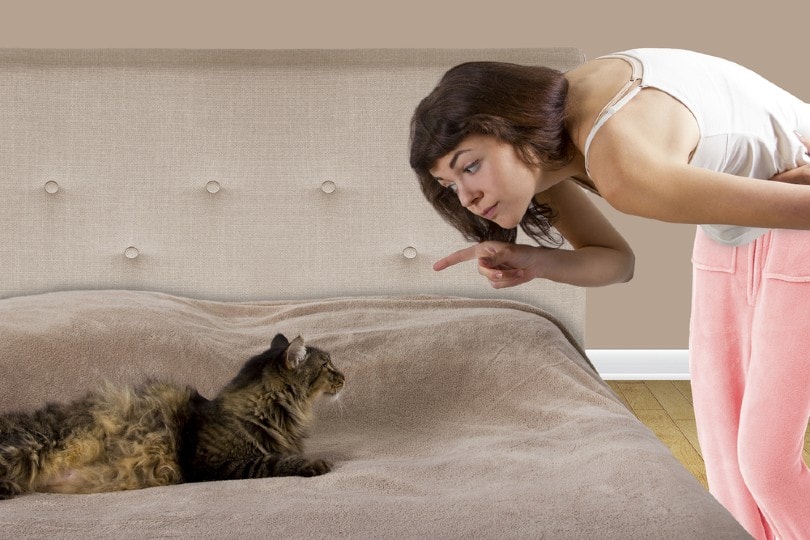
(508,265)
(599,255)
(501,263)
(799,175)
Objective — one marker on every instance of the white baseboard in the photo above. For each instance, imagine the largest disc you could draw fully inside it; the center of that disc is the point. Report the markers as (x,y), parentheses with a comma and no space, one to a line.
(641,364)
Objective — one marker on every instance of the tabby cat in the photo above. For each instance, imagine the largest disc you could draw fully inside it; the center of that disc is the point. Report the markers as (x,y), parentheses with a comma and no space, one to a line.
(161,433)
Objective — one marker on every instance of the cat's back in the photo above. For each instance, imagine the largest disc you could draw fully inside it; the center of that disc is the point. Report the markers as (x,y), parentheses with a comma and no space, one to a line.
(153,403)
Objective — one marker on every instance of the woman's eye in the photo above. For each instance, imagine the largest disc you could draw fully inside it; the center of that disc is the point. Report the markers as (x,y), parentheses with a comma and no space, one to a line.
(448,185)
(472,167)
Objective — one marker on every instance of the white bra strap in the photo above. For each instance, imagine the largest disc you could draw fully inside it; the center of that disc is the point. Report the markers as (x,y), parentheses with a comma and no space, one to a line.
(635,78)
(605,115)
(625,94)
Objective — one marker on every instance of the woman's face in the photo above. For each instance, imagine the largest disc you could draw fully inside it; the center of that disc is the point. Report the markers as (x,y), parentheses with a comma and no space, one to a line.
(490,179)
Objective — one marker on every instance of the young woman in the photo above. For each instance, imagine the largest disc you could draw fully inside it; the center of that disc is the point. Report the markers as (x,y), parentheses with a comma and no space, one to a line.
(671,135)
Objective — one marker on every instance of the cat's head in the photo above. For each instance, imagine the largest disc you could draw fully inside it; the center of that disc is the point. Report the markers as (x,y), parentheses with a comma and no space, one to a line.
(307,370)
(310,367)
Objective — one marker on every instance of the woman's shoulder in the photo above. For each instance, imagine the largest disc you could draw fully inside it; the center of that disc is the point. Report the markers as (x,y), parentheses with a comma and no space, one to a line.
(591,86)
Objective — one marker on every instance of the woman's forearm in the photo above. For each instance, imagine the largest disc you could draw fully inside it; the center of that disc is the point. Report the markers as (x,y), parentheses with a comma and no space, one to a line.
(590,266)
(684,194)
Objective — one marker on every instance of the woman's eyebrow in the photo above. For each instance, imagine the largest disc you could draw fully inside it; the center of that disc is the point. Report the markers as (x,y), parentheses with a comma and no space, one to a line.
(453,161)
(455,157)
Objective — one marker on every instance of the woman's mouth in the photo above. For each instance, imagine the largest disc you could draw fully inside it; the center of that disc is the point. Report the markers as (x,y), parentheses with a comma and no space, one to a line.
(489,213)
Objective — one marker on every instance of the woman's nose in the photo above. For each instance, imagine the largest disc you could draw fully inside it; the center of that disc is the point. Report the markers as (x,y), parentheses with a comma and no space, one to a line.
(466,195)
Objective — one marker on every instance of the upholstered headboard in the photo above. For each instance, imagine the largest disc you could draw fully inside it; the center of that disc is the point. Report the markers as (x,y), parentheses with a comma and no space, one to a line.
(231,175)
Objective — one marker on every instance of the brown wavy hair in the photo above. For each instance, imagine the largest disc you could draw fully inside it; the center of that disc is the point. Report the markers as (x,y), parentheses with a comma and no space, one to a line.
(520,105)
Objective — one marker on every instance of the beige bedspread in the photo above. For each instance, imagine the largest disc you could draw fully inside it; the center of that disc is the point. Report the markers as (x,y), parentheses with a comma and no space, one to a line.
(460,418)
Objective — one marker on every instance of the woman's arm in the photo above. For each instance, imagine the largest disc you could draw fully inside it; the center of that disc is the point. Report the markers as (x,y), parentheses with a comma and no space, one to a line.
(600,255)
(799,175)
(640,168)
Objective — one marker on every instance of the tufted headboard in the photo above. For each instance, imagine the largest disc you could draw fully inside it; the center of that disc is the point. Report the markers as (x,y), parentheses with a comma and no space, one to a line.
(231,175)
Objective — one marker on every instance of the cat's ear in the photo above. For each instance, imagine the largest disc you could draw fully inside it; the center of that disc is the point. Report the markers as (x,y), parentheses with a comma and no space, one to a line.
(279,342)
(296,352)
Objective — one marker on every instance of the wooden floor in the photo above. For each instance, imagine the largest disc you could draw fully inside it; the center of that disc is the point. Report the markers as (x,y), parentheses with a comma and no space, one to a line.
(666,408)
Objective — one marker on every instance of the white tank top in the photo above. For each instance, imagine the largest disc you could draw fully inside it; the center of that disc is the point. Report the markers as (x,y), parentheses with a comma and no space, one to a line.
(746,123)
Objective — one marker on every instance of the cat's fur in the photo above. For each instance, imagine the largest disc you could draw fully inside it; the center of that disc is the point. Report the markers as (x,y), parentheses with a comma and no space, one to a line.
(161,433)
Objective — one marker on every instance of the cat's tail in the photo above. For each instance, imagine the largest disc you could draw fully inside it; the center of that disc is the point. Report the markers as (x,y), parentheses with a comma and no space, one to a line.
(19,460)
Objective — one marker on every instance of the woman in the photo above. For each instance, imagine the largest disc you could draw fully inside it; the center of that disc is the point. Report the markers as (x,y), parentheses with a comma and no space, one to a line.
(671,135)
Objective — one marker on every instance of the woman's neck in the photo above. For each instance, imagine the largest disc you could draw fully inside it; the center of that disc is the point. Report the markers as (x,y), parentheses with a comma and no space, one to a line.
(590,86)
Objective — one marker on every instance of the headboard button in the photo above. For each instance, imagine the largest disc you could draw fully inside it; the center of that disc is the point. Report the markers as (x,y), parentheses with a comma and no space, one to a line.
(328,187)
(212,186)
(409,252)
(51,187)
(131,252)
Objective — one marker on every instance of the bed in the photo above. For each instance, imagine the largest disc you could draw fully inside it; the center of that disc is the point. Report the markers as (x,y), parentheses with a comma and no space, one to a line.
(167,212)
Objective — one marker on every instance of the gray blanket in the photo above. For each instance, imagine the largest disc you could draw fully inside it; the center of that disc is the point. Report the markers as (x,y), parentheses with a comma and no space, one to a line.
(460,419)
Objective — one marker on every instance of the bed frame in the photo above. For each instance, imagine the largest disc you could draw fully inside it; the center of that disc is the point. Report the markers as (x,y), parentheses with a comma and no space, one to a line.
(165,212)
(231,175)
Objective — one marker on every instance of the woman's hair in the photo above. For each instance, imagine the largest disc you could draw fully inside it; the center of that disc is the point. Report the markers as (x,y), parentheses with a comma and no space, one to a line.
(520,105)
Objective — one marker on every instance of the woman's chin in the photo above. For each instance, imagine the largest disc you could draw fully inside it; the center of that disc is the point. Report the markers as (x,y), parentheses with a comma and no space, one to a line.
(505,223)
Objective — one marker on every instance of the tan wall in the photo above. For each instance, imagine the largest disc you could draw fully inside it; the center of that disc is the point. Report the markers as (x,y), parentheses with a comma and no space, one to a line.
(650,312)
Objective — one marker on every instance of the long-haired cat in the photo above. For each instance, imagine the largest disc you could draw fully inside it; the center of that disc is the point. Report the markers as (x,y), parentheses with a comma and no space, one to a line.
(162,433)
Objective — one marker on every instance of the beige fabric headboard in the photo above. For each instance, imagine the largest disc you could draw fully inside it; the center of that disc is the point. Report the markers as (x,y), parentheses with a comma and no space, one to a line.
(231,175)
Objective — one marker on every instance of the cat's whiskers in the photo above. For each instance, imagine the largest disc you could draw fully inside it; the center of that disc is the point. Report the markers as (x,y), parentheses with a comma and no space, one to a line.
(337,399)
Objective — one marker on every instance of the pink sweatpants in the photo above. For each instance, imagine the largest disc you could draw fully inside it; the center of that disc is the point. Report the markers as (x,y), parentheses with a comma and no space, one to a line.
(750,370)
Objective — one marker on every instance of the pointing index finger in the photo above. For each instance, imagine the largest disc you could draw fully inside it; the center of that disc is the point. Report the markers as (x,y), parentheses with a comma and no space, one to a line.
(466,254)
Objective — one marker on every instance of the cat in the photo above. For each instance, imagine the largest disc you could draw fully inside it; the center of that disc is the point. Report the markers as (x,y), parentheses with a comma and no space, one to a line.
(161,433)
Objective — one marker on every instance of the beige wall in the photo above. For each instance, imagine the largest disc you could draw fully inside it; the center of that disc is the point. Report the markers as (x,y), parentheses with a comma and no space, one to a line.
(650,312)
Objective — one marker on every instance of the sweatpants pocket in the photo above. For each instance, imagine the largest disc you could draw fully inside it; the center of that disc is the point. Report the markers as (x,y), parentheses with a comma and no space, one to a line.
(788,256)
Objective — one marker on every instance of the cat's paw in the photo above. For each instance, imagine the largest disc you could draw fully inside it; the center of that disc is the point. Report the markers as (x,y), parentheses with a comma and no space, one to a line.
(315,467)
(8,490)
